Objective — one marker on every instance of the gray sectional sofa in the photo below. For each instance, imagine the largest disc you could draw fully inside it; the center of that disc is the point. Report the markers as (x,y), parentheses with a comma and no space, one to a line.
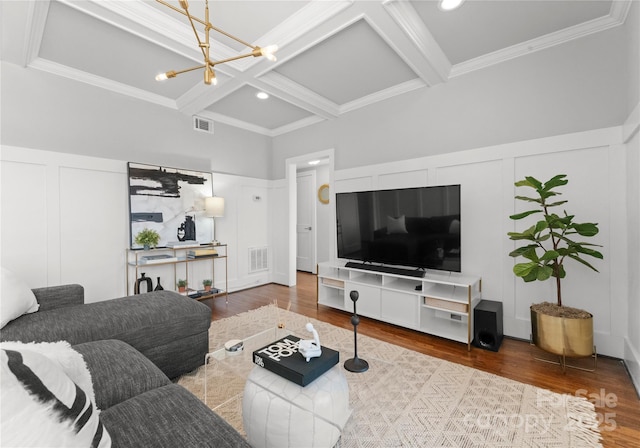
(133,347)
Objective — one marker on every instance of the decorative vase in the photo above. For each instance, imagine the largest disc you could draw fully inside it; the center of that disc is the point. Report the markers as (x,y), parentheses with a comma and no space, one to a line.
(143,280)
(158,286)
(146,247)
(207,288)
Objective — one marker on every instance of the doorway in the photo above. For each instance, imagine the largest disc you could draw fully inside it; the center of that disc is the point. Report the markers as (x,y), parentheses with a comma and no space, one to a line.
(324,230)
(306,222)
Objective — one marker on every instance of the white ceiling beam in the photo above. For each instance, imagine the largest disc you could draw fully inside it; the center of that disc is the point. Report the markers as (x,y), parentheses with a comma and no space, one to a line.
(410,22)
(34,30)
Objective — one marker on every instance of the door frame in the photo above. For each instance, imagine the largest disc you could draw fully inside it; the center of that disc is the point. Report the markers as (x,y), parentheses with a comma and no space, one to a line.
(291,169)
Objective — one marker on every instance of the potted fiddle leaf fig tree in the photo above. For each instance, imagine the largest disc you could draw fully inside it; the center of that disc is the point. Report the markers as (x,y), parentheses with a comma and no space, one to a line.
(547,245)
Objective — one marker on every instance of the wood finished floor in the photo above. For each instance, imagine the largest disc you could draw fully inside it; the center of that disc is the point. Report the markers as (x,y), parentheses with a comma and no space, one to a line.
(609,387)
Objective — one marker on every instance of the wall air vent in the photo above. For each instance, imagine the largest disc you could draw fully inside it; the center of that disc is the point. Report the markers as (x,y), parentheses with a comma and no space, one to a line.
(202,125)
(258,259)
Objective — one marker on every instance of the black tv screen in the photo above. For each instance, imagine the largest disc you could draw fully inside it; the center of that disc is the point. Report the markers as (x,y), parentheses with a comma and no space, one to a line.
(412,227)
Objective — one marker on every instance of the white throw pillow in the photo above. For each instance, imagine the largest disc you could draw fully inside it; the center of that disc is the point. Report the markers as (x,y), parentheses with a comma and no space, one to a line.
(41,405)
(16,298)
(396,225)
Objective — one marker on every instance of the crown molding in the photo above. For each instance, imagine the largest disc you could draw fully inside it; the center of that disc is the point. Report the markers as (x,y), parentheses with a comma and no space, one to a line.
(308,121)
(299,95)
(546,41)
(382,95)
(98,81)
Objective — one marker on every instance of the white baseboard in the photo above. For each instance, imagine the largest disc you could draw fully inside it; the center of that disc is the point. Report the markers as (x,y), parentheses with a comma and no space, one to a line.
(632,361)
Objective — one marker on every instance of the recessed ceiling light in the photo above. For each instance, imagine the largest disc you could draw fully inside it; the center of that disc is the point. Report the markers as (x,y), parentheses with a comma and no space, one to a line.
(449,5)
(314,162)
(262,95)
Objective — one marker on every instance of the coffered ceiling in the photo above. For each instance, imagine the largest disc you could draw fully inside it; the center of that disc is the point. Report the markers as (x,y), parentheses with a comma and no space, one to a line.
(334,56)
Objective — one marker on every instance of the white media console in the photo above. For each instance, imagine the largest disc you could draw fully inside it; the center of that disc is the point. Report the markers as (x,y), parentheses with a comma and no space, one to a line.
(440,303)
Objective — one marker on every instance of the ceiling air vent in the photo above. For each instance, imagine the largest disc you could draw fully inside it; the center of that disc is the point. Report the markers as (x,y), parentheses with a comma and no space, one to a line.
(203,125)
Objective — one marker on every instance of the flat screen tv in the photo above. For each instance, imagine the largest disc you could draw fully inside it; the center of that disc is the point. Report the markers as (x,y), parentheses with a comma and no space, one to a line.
(409,227)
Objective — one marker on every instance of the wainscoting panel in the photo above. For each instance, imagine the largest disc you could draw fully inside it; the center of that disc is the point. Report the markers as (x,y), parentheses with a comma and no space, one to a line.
(24,221)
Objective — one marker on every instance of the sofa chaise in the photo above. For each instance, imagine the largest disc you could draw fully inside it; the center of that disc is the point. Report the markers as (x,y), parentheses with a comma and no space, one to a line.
(169,329)
(132,347)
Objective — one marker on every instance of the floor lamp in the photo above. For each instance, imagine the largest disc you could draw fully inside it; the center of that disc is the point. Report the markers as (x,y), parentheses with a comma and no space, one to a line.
(214,208)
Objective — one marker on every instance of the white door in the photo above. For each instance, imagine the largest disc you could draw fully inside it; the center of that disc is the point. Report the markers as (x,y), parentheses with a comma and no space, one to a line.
(306,222)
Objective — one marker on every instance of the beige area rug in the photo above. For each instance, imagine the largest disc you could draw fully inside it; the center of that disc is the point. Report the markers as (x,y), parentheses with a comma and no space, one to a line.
(407,399)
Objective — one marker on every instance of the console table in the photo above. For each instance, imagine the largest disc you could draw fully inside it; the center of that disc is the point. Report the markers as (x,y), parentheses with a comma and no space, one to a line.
(440,303)
(154,262)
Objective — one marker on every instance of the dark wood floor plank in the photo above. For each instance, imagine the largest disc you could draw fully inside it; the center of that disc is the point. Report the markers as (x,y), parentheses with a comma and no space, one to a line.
(609,385)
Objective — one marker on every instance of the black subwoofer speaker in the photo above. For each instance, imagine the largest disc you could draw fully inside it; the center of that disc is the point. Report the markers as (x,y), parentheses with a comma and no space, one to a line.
(487,325)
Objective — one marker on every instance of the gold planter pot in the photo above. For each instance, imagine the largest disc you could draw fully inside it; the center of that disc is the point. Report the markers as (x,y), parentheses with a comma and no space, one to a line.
(561,336)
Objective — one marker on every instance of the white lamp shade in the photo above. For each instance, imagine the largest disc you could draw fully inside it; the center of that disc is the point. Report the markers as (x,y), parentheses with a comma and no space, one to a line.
(214,207)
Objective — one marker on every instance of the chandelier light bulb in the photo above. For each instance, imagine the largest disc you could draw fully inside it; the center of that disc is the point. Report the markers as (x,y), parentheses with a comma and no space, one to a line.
(161,77)
(210,76)
(268,51)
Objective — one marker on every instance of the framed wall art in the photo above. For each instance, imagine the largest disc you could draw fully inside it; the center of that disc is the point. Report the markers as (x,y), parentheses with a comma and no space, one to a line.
(170,201)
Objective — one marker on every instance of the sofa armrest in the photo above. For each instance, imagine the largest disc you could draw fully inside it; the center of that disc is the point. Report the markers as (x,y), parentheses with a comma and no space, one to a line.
(52,297)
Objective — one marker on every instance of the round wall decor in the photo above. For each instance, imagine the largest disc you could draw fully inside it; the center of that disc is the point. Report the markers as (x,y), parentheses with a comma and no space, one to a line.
(323,193)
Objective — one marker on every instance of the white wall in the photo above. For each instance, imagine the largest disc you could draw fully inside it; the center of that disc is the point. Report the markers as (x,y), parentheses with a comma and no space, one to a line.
(49,112)
(594,162)
(64,219)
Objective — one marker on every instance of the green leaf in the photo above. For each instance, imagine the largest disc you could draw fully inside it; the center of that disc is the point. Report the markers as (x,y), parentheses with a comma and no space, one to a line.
(528,199)
(526,183)
(521,250)
(524,269)
(555,181)
(524,214)
(535,183)
(586,229)
(532,277)
(591,252)
(578,259)
(520,236)
(540,226)
(544,273)
(531,254)
(555,204)
(550,255)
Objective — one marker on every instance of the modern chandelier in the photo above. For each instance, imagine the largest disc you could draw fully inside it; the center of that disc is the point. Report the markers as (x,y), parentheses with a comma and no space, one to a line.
(209,74)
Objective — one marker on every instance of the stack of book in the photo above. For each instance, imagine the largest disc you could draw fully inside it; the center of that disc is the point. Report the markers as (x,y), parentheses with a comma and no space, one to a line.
(202,253)
(153,259)
(283,358)
(183,244)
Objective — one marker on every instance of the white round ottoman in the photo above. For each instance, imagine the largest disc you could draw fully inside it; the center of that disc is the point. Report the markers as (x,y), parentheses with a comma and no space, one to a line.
(278,413)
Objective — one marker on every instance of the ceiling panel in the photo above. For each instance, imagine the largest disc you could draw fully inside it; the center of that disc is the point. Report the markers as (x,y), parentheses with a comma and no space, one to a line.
(77,40)
(481,27)
(353,63)
(271,113)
